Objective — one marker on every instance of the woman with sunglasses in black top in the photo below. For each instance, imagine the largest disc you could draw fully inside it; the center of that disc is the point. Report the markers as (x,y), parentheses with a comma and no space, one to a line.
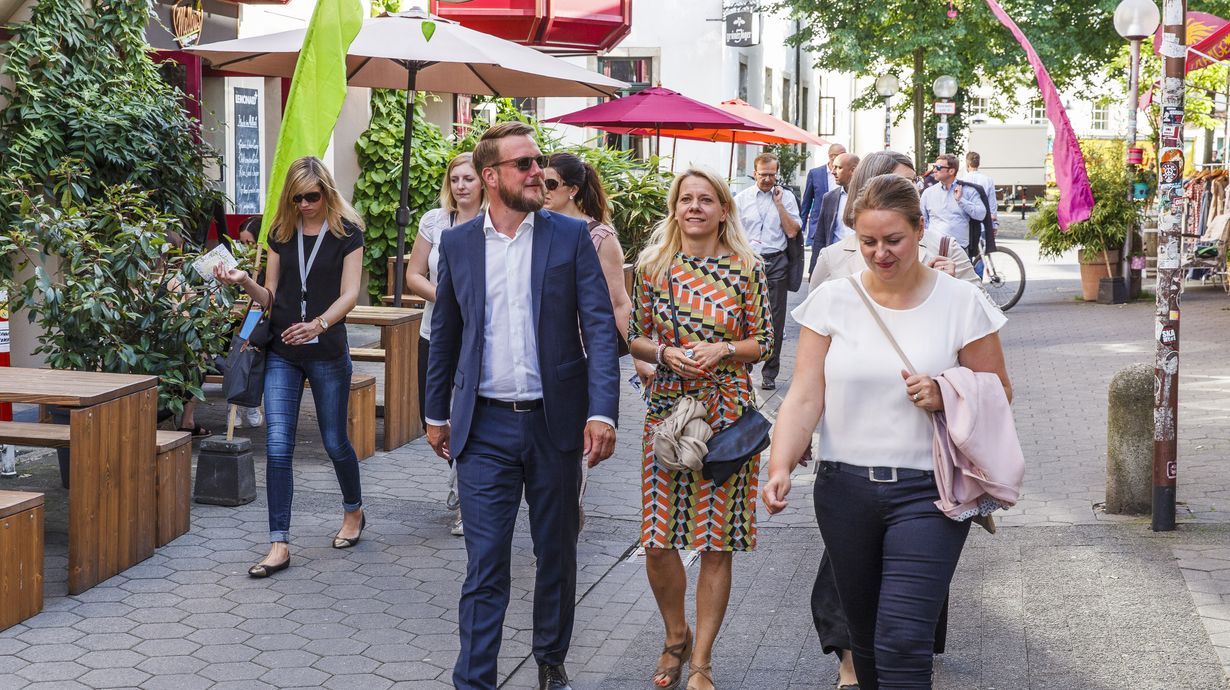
(311,283)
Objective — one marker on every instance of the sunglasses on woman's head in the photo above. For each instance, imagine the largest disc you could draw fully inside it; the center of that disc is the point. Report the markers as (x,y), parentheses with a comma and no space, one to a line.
(310,197)
(524,163)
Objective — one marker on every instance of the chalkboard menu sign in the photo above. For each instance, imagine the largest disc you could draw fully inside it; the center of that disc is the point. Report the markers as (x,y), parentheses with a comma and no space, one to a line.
(247,164)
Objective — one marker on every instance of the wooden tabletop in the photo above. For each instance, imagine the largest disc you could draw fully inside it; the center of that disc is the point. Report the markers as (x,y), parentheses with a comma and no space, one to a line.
(69,388)
(383,316)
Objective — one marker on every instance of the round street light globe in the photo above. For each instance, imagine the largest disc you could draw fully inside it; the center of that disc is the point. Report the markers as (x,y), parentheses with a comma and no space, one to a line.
(887,86)
(945,87)
(1136,19)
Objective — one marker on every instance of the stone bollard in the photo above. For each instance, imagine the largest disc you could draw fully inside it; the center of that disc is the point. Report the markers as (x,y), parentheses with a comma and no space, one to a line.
(1129,442)
(225,473)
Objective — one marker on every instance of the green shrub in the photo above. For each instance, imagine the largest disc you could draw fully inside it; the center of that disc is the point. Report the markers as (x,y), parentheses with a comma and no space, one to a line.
(1113,212)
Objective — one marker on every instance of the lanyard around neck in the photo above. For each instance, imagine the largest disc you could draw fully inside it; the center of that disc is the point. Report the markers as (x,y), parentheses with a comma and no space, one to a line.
(306,268)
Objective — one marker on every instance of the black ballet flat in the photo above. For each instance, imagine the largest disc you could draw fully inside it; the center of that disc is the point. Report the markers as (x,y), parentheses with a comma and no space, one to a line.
(343,543)
(262,571)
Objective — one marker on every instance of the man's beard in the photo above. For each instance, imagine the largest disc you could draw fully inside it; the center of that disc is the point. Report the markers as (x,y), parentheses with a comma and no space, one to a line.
(517,202)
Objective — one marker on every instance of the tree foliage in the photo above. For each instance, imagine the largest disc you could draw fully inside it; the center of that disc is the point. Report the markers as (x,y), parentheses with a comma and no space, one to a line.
(84,89)
(1075,40)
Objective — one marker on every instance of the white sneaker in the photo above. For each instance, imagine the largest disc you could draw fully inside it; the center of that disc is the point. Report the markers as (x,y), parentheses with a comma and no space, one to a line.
(252,417)
(457,530)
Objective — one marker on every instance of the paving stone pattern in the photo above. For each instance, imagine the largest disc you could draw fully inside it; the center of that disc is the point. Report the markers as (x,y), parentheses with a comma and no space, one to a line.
(1063,596)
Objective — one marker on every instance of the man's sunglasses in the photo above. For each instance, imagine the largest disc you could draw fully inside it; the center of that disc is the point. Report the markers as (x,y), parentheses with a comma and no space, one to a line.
(937,166)
(551,184)
(310,197)
(524,163)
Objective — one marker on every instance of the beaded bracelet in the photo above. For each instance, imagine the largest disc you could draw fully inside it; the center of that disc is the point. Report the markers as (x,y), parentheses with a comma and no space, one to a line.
(661,350)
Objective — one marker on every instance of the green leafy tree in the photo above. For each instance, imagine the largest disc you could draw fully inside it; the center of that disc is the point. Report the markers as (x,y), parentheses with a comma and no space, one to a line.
(916,40)
(122,298)
(83,88)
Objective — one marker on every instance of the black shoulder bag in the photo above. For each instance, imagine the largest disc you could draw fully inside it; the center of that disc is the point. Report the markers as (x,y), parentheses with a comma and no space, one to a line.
(732,447)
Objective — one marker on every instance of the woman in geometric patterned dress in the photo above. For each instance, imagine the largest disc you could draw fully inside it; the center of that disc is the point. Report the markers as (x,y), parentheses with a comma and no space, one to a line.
(700,254)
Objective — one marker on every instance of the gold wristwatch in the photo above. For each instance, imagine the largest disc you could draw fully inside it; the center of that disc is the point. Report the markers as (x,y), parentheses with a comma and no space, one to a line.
(324,325)
(730,349)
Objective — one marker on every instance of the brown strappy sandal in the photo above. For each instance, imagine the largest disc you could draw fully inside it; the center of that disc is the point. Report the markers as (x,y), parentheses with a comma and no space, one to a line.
(705,670)
(681,652)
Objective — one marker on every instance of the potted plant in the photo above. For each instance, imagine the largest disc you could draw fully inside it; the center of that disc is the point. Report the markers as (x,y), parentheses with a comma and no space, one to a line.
(123,298)
(1099,239)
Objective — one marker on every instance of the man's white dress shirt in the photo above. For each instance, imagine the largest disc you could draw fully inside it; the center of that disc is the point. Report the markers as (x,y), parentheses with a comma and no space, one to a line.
(944,214)
(761,222)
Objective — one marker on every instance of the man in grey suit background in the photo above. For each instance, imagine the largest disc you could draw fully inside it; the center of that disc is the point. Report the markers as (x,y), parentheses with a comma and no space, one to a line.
(819,182)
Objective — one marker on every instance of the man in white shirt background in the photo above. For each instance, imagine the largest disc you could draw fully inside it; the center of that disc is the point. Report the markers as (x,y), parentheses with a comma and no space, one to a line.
(770,216)
(972,162)
(948,208)
(832,228)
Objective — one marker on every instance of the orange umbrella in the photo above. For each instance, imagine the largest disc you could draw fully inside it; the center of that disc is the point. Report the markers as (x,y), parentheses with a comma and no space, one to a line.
(779,131)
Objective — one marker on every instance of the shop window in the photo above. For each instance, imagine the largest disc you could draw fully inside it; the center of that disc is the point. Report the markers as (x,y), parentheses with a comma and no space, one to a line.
(637,72)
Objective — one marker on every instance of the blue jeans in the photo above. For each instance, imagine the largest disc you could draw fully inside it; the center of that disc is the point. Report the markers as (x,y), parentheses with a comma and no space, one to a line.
(893,554)
(330,381)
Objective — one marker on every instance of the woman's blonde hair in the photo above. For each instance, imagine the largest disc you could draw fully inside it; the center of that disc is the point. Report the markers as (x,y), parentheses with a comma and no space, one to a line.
(305,175)
(447,201)
(667,240)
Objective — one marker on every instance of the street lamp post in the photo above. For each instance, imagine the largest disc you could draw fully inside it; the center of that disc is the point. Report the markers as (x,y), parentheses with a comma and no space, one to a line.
(1134,20)
(944,88)
(887,86)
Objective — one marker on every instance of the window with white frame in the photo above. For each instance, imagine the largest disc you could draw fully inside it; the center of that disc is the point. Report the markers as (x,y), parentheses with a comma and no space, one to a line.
(977,106)
(1100,121)
(1037,113)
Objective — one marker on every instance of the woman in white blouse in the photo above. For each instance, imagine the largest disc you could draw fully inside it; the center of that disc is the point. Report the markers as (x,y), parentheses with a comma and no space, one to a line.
(893,551)
(461,199)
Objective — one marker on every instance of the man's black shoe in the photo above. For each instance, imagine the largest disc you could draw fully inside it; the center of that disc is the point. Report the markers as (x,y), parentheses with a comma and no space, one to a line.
(768,384)
(552,677)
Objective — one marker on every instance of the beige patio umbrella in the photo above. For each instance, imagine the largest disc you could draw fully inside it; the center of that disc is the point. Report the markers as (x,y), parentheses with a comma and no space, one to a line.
(418,51)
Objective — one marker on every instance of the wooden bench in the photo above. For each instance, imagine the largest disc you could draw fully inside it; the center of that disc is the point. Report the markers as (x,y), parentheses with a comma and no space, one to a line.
(172,470)
(173,480)
(367,354)
(360,416)
(21,556)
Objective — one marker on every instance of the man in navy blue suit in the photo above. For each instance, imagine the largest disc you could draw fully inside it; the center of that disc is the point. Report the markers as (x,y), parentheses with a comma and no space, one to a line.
(819,183)
(520,396)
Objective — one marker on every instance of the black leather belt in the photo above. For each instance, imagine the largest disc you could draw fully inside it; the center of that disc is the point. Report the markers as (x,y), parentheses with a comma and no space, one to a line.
(514,405)
(879,475)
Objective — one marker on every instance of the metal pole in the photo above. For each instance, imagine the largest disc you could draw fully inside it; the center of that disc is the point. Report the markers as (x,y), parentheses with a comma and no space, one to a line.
(1169,275)
(944,139)
(1132,97)
(1225,142)
(888,125)
(403,210)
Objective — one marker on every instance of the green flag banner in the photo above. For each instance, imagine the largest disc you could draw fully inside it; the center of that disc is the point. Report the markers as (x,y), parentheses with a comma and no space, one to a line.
(316,93)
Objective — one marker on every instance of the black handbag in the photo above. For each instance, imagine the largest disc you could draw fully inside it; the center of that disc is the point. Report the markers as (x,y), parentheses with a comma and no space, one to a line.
(243,372)
(732,447)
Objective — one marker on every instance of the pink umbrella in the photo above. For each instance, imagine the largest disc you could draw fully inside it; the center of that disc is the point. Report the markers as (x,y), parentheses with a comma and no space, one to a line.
(656,109)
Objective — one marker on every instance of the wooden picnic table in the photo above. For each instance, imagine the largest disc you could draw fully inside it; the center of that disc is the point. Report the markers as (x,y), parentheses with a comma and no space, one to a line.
(399,338)
(112,496)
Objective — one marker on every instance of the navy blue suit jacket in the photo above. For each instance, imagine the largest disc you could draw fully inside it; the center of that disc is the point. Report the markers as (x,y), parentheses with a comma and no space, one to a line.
(579,366)
(813,191)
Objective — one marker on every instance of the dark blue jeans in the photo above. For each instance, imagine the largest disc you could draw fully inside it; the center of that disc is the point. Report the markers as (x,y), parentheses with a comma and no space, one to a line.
(893,554)
(507,454)
(330,381)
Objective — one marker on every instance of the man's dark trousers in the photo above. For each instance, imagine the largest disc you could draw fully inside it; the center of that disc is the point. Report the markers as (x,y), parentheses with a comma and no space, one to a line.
(777,272)
(507,453)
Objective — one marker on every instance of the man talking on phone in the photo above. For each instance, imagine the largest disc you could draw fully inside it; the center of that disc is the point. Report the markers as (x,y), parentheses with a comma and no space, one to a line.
(770,217)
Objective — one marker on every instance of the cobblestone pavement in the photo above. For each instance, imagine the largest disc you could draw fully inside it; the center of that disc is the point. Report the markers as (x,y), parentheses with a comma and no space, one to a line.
(1063,596)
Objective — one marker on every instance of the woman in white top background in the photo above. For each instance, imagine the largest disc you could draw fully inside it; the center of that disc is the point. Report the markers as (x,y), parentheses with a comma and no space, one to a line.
(461,199)
(893,551)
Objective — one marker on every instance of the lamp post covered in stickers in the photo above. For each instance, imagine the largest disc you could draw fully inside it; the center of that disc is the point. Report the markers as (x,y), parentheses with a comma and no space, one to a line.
(1134,20)
(1169,273)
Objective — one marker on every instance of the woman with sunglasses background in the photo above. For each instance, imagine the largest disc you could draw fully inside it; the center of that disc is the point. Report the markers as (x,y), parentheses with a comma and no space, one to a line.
(574,188)
(461,199)
(311,284)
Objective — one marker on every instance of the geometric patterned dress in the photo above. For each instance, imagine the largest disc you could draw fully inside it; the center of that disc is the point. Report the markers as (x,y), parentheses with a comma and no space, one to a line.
(719,299)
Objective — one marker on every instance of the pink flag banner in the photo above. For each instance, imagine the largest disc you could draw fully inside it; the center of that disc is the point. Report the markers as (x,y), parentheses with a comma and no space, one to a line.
(1075,195)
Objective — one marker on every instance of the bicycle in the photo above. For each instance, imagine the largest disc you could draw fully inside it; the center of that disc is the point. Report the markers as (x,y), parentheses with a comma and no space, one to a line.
(1002,273)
